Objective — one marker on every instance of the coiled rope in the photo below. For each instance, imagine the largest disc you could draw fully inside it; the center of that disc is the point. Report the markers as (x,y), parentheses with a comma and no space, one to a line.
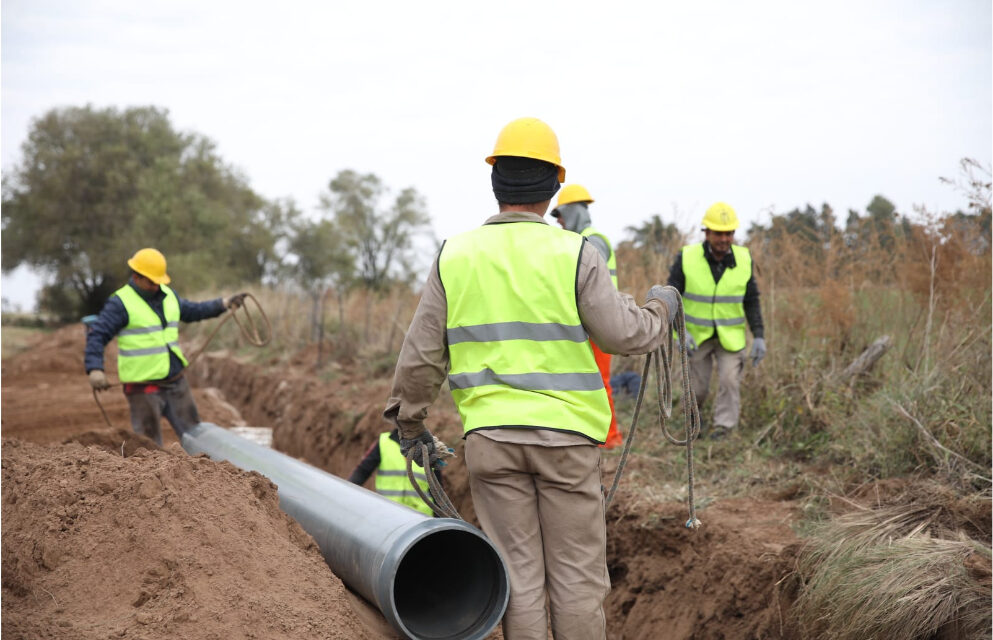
(439,501)
(441,504)
(691,413)
(249,330)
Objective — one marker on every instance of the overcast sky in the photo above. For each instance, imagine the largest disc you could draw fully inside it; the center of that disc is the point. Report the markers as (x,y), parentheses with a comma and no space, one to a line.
(660,108)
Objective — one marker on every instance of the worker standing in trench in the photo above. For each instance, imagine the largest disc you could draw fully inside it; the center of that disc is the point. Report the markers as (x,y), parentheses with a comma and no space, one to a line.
(508,312)
(384,457)
(573,213)
(145,314)
(717,281)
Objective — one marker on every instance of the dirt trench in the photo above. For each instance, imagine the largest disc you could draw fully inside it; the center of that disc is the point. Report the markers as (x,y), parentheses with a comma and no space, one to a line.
(106,535)
(725,580)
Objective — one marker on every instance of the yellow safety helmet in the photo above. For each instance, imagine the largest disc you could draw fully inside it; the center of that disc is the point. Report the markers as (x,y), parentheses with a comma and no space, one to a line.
(720,217)
(151,264)
(573,193)
(528,138)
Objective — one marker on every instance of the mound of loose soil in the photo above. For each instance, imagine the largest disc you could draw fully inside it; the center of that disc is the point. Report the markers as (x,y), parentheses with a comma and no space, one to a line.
(720,581)
(156,545)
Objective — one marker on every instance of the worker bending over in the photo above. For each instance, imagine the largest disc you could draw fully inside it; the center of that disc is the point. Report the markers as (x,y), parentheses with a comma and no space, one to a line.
(385,459)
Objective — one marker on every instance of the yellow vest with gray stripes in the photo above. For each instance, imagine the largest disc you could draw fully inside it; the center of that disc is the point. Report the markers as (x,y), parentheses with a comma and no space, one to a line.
(391,476)
(716,306)
(143,345)
(612,260)
(520,357)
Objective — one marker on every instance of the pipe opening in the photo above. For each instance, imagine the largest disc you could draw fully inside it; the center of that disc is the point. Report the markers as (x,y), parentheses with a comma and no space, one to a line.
(450,584)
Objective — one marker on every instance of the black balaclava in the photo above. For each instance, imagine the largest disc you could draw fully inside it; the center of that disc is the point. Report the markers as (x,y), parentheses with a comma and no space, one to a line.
(523,180)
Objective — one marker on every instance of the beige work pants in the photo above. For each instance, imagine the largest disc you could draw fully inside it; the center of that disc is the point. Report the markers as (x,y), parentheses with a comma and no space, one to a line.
(543,509)
(730,367)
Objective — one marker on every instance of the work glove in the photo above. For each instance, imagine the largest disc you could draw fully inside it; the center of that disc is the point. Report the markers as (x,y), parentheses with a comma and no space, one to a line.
(758,351)
(427,440)
(98,380)
(669,297)
(235,301)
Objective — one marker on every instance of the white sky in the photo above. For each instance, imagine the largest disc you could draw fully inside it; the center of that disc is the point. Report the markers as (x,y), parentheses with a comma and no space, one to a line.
(659,107)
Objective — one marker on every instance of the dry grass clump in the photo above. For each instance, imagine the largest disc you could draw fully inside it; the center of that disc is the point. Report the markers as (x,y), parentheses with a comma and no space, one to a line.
(884,574)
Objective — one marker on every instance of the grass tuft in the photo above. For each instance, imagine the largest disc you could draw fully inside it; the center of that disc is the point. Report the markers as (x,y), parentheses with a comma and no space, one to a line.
(886,573)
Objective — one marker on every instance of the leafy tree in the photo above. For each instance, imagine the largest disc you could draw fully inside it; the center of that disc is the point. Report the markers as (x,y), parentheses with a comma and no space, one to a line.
(322,262)
(95,185)
(655,235)
(381,240)
(881,209)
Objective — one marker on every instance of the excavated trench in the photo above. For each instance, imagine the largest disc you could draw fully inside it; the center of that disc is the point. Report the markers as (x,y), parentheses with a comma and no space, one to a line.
(104,535)
(723,581)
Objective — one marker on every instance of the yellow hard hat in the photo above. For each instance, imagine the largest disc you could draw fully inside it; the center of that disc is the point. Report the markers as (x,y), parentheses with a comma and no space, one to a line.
(720,217)
(528,138)
(573,193)
(151,264)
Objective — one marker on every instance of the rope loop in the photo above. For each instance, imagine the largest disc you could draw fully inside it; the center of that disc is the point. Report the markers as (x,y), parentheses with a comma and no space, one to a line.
(249,331)
(661,358)
(439,501)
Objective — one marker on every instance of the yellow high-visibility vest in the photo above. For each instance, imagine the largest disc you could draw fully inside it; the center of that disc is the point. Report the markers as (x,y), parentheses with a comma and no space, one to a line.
(716,306)
(143,345)
(391,476)
(520,356)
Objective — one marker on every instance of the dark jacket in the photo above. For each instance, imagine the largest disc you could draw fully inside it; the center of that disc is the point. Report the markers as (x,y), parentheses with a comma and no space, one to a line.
(114,317)
(371,462)
(753,312)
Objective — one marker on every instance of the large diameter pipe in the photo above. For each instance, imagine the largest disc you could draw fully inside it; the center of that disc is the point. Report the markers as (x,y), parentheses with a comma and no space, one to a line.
(432,578)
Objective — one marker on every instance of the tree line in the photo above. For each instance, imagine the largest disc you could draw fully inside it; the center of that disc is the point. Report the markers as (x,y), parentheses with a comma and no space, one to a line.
(93,185)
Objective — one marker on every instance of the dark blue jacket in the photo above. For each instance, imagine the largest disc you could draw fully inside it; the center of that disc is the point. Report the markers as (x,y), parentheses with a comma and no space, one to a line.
(114,317)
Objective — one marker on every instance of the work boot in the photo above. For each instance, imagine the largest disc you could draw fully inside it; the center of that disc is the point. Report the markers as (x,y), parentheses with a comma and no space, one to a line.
(719,432)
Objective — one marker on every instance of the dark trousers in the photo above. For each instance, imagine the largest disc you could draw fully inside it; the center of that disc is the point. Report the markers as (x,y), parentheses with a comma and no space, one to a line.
(174,400)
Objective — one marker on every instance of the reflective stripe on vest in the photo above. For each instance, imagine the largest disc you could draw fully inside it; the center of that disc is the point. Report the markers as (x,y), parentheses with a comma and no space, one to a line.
(612,260)
(143,345)
(391,476)
(519,354)
(710,306)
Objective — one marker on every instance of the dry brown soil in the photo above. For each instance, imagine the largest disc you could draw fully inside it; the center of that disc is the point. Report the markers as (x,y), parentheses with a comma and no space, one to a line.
(105,535)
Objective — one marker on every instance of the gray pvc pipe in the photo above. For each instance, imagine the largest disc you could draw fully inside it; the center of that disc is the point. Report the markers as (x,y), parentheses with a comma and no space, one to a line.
(432,578)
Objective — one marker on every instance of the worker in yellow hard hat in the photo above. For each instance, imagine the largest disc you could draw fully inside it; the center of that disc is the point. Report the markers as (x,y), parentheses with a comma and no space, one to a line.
(144,315)
(507,315)
(720,294)
(573,213)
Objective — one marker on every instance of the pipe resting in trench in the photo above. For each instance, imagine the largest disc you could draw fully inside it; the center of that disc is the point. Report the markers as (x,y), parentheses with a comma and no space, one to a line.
(432,578)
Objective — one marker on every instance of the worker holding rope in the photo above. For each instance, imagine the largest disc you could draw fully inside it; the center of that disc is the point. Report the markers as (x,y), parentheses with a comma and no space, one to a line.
(145,314)
(508,312)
